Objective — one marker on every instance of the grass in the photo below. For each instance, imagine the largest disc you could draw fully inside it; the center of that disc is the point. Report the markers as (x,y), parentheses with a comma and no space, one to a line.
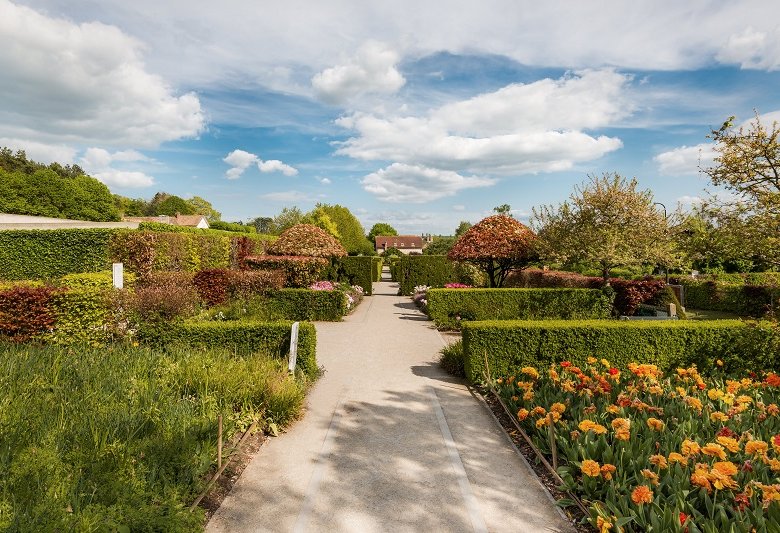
(122,438)
(706,314)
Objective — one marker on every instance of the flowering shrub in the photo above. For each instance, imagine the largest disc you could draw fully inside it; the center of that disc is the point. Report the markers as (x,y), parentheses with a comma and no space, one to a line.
(420,297)
(322,286)
(307,240)
(354,295)
(457,286)
(646,452)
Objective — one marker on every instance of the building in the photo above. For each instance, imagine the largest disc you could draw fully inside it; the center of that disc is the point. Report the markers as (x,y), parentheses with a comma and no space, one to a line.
(408,244)
(192,221)
(10,221)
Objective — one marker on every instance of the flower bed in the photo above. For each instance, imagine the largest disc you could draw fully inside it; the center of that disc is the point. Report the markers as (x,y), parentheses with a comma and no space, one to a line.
(653,452)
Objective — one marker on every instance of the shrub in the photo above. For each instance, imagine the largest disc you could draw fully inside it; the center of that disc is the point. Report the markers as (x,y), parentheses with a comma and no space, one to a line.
(299,271)
(307,240)
(376,273)
(357,270)
(431,270)
(247,283)
(452,359)
(449,307)
(497,245)
(244,337)
(508,346)
(629,294)
(535,278)
(94,280)
(307,304)
(212,285)
(82,317)
(163,304)
(49,254)
(232,226)
(26,312)
(746,300)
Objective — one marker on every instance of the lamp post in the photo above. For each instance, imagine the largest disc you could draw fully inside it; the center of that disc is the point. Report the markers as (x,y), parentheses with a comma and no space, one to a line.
(666,224)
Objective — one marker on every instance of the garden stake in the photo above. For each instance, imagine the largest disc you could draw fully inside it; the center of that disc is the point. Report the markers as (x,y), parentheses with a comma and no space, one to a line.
(553,447)
(219,442)
(224,466)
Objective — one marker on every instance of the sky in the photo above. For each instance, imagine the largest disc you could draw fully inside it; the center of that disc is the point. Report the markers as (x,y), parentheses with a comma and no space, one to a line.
(416,113)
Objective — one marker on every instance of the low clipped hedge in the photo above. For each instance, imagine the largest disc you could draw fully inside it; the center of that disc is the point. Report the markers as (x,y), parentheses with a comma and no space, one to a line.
(510,345)
(448,308)
(746,300)
(244,337)
(430,270)
(306,304)
(356,270)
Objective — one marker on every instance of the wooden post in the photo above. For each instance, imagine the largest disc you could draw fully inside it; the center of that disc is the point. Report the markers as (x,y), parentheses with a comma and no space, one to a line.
(553,446)
(219,442)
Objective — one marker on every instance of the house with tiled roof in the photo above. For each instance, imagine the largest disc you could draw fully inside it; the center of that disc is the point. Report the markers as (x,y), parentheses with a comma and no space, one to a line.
(408,244)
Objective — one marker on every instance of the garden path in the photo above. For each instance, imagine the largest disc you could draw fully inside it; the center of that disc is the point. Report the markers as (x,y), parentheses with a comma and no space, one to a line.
(389,442)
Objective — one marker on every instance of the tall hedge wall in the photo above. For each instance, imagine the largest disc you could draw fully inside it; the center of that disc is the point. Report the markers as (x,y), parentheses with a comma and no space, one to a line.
(245,337)
(430,270)
(448,308)
(510,345)
(356,270)
(747,300)
(48,254)
(376,273)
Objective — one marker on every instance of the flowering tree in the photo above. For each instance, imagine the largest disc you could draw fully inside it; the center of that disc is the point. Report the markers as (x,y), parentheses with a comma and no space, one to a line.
(497,245)
(307,240)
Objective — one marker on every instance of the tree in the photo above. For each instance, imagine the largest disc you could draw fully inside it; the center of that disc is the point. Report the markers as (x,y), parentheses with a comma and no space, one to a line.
(497,245)
(607,223)
(287,218)
(503,209)
(320,218)
(307,240)
(173,205)
(381,229)
(748,162)
(439,246)
(462,228)
(352,234)
(263,224)
(203,207)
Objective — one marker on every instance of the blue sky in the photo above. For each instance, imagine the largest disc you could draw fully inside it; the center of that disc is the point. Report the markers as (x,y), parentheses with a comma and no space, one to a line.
(416,114)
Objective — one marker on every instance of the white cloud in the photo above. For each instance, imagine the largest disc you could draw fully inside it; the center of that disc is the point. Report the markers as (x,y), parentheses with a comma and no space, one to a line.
(324,181)
(685,160)
(286,196)
(42,152)
(84,83)
(372,71)
(97,162)
(415,184)
(241,160)
(752,49)
(520,128)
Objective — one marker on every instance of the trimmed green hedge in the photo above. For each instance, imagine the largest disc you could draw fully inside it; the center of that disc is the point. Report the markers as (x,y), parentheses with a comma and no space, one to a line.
(449,307)
(48,254)
(430,270)
(376,273)
(746,300)
(356,270)
(244,337)
(511,345)
(82,316)
(306,304)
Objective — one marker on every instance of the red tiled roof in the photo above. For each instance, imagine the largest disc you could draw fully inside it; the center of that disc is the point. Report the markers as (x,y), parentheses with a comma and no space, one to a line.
(402,242)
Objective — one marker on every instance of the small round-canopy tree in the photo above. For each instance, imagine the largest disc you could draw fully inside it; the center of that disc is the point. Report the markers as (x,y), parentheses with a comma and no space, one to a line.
(497,245)
(307,240)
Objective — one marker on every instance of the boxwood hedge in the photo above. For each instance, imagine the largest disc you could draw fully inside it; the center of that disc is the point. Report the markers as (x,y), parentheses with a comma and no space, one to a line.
(356,270)
(448,308)
(430,270)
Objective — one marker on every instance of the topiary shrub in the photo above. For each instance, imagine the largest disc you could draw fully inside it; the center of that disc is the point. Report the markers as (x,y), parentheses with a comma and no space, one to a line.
(497,245)
(307,240)
(26,312)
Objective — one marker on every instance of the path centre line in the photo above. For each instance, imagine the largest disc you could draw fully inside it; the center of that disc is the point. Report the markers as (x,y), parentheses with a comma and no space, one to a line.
(477,522)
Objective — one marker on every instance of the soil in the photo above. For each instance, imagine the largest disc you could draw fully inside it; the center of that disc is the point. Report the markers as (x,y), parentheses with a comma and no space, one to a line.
(573,513)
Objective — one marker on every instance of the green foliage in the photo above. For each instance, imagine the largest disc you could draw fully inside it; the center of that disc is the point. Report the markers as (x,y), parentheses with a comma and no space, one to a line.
(287,218)
(263,224)
(48,254)
(298,271)
(452,359)
(201,206)
(439,246)
(318,217)
(357,270)
(244,337)
(28,188)
(430,270)
(745,300)
(507,346)
(498,245)
(381,229)
(122,438)
(232,226)
(351,232)
(171,205)
(376,274)
(82,317)
(306,304)
(94,280)
(449,308)
(462,228)
(392,252)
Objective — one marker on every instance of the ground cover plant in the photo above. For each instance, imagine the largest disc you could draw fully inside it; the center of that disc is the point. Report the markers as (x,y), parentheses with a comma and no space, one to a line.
(648,451)
(122,438)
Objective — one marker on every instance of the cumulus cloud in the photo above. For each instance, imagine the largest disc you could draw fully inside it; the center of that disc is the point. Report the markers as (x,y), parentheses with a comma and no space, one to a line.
(84,83)
(372,71)
(241,160)
(752,49)
(416,184)
(42,152)
(97,162)
(519,129)
(685,160)
(324,181)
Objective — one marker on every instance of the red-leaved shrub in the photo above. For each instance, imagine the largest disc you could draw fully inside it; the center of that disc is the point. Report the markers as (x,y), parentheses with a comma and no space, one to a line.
(26,312)
(629,294)
(212,285)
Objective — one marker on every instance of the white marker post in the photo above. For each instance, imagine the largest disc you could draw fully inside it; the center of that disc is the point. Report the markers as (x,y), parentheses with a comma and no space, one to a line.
(119,275)
(293,346)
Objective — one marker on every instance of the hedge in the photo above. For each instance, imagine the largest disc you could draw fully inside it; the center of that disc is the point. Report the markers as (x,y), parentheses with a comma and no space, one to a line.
(746,300)
(49,254)
(430,270)
(511,345)
(299,271)
(356,270)
(245,338)
(306,304)
(95,280)
(449,307)
(376,273)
